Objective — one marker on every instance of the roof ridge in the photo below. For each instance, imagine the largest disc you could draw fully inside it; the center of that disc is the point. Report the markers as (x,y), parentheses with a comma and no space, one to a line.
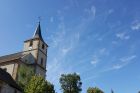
(11,57)
(11,54)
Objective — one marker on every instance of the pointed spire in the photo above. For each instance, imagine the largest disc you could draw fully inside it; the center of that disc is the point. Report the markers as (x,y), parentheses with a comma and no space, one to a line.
(37,33)
(112,91)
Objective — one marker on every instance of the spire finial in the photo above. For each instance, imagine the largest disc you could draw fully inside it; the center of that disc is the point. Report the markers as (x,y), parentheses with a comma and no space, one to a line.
(39,19)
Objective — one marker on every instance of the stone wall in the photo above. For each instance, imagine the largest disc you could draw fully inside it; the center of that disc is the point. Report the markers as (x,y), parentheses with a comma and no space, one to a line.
(11,68)
(5,88)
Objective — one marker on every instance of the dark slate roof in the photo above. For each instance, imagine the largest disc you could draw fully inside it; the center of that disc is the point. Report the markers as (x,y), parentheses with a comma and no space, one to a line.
(7,78)
(38,32)
(11,57)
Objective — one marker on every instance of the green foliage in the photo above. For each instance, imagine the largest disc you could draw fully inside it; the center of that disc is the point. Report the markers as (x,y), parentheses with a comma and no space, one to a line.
(37,84)
(70,83)
(50,88)
(24,75)
(94,90)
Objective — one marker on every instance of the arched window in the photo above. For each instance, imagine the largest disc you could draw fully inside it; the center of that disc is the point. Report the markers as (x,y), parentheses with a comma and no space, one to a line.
(41,61)
(43,46)
(31,43)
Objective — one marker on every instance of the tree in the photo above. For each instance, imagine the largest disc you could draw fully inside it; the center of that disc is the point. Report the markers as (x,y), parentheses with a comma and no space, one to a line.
(70,83)
(24,75)
(94,90)
(50,88)
(37,84)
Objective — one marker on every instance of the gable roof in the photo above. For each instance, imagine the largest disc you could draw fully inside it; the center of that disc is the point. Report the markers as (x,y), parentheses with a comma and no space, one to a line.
(11,57)
(6,77)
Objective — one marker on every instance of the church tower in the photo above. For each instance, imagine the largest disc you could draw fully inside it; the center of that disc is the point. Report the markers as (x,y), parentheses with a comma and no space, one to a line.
(36,49)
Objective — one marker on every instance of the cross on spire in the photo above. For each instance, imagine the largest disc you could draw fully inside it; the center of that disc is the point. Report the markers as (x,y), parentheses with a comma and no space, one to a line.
(39,19)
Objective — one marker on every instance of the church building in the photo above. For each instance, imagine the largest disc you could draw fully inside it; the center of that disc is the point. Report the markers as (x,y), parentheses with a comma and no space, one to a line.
(34,54)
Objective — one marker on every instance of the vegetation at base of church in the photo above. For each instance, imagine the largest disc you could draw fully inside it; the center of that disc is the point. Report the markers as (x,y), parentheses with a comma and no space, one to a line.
(94,90)
(31,83)
(24,75)
(70,83)
(38,84)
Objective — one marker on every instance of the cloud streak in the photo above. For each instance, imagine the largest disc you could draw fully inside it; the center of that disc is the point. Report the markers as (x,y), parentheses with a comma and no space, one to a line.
(122,36)
(124,61)
(135,25)
(94,61)
(91,12)
(128,59)
(64,42)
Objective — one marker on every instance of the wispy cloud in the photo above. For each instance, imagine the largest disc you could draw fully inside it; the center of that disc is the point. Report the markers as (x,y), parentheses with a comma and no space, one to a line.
(53,70)
(91,11)
(118,66)
(114,42)
(74,3)
(110,11)
(90,78)
(128,59)
(77,36)
(56,39)
(135,25)
(66,50)
(122,36)
(52,19)
(61,49)
(95,60)
(124,61)
(103,51)
(59,36)
(63,41)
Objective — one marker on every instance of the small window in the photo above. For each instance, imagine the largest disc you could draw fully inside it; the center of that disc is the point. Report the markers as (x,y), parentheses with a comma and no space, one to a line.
(43,46)
(41,61)
(31,43)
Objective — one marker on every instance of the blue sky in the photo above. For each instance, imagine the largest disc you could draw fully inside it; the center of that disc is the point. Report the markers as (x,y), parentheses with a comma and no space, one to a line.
(98,39)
